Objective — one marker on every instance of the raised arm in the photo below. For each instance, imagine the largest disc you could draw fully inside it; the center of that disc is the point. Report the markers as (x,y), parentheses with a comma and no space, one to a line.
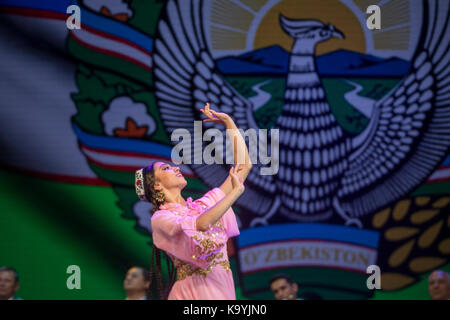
(240,150)
(213,214)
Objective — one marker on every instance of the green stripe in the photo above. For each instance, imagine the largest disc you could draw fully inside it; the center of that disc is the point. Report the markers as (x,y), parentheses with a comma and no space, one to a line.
(337,283)
(434,188)
(324,293)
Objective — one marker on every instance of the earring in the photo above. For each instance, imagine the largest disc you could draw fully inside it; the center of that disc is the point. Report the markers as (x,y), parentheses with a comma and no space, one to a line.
(160,197)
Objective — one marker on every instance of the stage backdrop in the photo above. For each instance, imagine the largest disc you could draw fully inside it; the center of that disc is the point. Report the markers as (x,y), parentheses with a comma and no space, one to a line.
(364,120)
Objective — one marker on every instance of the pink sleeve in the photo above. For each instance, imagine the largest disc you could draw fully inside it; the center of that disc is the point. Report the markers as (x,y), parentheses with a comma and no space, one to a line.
(228,219)
(178,236)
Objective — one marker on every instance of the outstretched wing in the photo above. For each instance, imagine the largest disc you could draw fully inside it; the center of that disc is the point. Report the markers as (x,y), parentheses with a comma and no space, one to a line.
(411,132)
(186,78)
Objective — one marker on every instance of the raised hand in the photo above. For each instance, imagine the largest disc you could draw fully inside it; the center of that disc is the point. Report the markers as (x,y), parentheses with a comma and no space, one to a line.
(214,116)
(237,182)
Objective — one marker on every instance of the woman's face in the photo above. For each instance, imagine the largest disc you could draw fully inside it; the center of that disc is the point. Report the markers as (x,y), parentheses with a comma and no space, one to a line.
(168,177)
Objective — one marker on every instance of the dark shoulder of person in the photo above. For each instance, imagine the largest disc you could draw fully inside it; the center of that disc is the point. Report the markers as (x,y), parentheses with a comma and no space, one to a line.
(310,296)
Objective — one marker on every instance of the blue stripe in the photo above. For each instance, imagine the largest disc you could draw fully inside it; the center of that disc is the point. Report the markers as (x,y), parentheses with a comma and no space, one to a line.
(446,161)
(88,18)
(321,231)
(116,28)
(121,144)
(50,5)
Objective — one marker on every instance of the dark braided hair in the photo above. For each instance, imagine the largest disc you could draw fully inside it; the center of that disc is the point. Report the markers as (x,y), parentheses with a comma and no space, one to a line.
(157,254)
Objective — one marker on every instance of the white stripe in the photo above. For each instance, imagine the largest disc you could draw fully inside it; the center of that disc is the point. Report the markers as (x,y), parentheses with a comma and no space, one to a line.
(112,159)
(440,174)
(112,45)
(125,160)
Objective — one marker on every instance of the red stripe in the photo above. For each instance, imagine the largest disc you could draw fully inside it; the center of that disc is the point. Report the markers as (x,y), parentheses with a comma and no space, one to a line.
(35,13)
(125,153)
(128,153)
(430,179)
(60,177)
(123,168)
(109,52)
(112,166)
(115,38)
(437,179)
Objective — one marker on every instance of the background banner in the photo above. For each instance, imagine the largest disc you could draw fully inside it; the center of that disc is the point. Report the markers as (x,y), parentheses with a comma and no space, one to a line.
(363,117)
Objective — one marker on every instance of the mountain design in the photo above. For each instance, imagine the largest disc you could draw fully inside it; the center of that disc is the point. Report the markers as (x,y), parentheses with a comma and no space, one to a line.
(274,60)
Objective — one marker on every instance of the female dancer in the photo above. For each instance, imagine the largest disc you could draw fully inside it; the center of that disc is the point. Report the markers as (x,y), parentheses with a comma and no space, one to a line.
(194,233)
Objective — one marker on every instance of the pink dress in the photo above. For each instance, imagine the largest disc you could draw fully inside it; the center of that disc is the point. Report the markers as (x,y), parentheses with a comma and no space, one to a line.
(201,259)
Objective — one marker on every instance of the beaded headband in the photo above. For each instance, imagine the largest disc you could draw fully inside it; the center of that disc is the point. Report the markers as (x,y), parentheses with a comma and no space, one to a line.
(139,182)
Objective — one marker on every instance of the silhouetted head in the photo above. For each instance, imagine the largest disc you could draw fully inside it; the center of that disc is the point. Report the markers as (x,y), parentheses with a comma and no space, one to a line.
(439,285)
(283,287)
(9,283)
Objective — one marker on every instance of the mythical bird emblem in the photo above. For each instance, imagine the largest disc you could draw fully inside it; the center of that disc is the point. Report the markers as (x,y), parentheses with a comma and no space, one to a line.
(322,170)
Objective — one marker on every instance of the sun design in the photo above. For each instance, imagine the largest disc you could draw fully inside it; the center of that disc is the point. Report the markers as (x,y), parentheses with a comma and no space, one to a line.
(329,11)
(238,26)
